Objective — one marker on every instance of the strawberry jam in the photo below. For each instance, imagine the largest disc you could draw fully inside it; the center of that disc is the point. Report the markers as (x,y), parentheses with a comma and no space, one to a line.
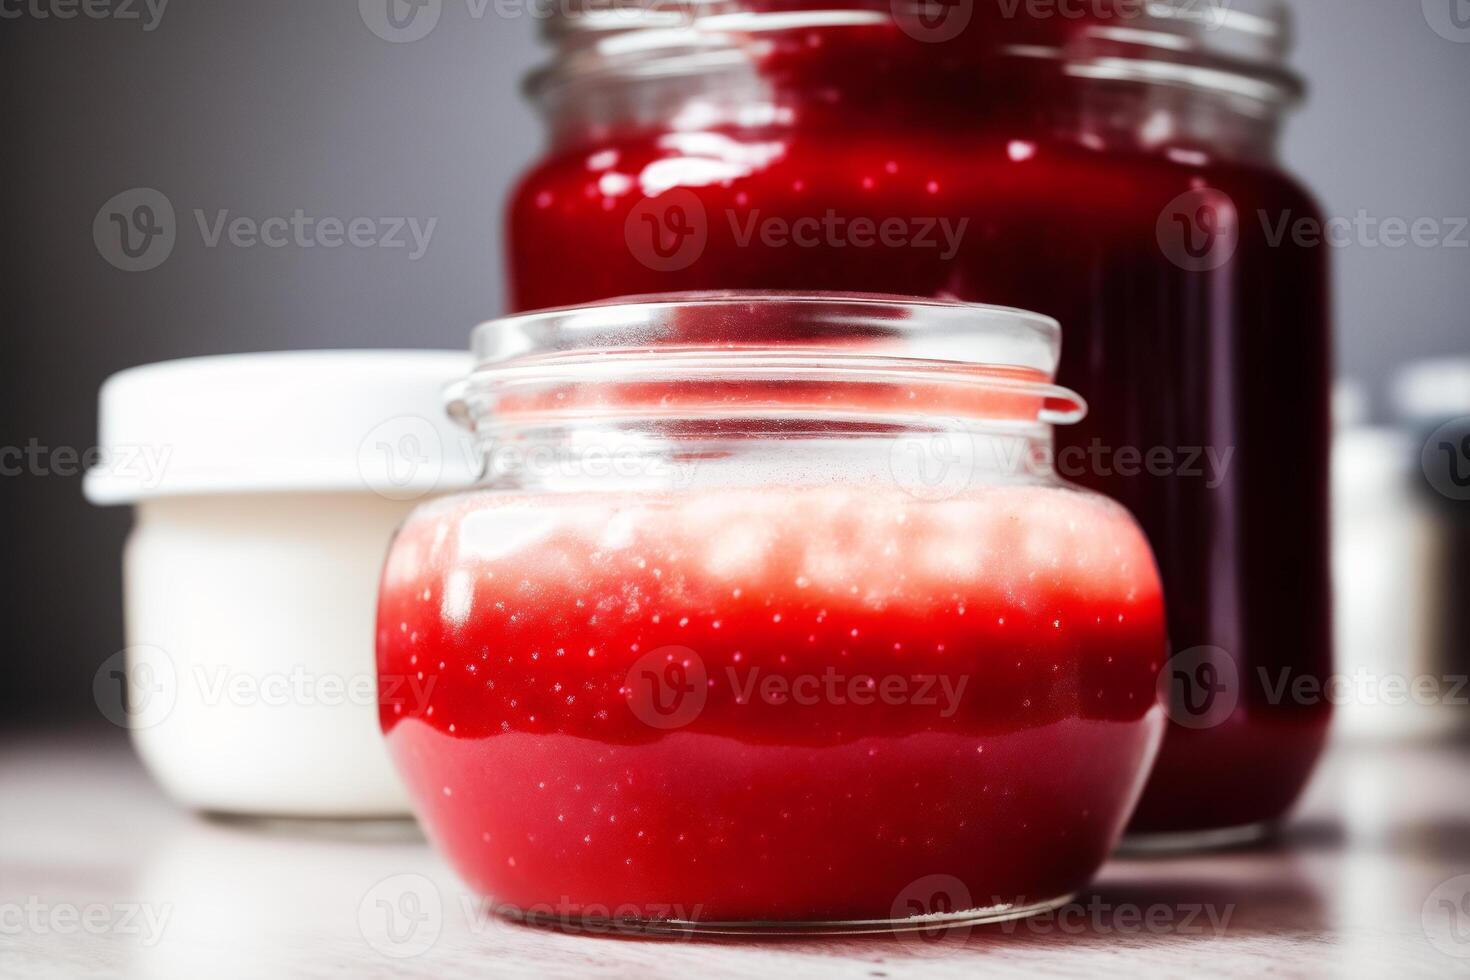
(788,680)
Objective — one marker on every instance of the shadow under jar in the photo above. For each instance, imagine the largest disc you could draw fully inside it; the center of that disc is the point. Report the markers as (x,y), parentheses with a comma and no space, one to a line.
(1115,170)
(771,613)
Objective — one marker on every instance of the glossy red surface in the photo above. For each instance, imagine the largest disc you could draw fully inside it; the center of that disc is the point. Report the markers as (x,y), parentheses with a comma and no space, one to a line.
(1210,353)
(787,705)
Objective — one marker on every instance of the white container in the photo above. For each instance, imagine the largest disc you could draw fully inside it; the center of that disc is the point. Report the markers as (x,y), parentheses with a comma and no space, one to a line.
(266,489)
(1382,569)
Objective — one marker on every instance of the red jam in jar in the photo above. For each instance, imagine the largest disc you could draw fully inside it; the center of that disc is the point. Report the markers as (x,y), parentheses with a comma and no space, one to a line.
(1112,168)
(771,612)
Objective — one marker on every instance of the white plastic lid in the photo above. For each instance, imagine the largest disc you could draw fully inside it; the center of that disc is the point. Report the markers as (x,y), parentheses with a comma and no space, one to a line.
(370,420)
(1434,390)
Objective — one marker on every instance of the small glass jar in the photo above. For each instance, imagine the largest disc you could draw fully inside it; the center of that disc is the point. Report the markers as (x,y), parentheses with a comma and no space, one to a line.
(1111,165)
(770,611)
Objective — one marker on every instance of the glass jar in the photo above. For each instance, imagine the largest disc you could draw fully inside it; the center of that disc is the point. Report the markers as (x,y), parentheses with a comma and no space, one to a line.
(1114,169)
(770,610)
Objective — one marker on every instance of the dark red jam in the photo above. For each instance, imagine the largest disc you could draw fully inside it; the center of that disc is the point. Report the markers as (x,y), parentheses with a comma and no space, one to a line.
(1197,334)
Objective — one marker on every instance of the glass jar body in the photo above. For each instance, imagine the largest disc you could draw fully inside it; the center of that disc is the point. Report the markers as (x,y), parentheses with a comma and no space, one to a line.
(1197,327)
(758,698)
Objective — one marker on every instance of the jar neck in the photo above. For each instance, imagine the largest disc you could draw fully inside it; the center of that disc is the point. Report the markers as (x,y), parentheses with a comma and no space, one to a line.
(1100,86)
(938,459)
(760,388)
(1071,112)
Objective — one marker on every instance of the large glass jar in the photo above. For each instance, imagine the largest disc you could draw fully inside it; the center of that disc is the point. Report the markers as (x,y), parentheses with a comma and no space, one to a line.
(771,610)
(1111,167)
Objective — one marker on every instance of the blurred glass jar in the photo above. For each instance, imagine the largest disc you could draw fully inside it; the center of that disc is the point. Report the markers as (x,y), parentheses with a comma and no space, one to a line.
(1115,170)
(265,489)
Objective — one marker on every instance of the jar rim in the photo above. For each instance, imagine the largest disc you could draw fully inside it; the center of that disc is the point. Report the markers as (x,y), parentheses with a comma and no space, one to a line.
(946,356)
(914,327)
(1235,48)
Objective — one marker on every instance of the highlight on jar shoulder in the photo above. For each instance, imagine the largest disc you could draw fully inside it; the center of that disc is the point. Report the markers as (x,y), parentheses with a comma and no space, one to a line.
(770,612)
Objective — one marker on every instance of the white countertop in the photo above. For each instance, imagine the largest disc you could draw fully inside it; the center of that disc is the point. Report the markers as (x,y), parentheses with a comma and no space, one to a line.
(101,876)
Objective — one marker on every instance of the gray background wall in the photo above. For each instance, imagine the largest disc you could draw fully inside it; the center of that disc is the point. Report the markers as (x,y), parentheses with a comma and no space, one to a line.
(264,106)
